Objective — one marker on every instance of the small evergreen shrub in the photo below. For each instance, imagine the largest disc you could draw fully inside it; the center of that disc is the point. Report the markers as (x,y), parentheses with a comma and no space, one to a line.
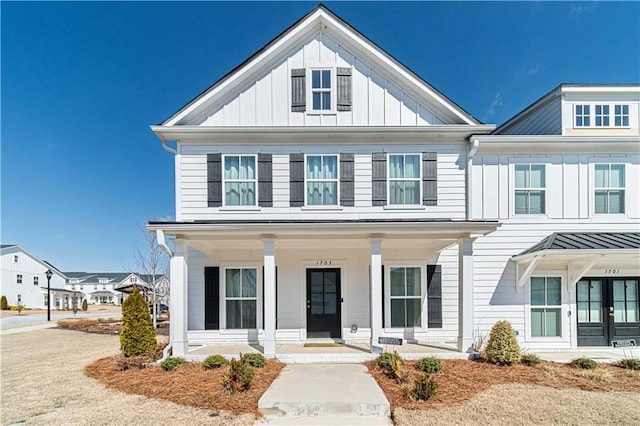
(429,364)
(631,363)
(254,359)
(214,361)
(138,335)
(424,387)
(530,359)
(392,362)
(502,348)
(239,376)
(4,304)
(85,306)
(172,362)
(585,363)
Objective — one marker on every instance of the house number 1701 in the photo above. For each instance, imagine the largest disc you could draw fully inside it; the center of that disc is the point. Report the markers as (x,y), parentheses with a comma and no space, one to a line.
(323,262)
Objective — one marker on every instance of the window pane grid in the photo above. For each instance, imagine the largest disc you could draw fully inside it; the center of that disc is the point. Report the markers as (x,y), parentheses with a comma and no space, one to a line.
(609,182)
(404,179)
(241,298)
(322,180)
(546,296)
(406,299)
(321,89)
(240,181)
(621,115)
(530,184)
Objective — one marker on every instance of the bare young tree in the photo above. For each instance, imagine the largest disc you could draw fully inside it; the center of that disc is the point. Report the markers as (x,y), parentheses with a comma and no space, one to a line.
(152,262)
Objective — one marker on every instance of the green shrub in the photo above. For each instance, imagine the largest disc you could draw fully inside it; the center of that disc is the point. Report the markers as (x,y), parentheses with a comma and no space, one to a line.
(530,359)
(584,362)
(239,376)
(85,306)
(253,359)
(4,304)
(424,387)
(214,361)
(392,363)
(138,335)
(502,348)
(172,362)
(429,364)
(631,363)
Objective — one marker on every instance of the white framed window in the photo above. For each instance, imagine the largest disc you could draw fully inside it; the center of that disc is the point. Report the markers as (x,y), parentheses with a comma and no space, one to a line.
(46,300)
(609,188)
(15,258)
(95,286)
(546,307)
(81,286)
(405,296)
(19,279)
(583,115)
(36,280)
(241,298)
(602,115)
(321,90)
(240,181)
(73,286)
(530,184)
(405,178)
(321,180)
(621,115)
(104,286)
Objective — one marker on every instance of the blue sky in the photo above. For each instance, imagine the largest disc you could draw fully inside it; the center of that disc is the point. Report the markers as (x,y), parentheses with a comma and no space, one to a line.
(82,82)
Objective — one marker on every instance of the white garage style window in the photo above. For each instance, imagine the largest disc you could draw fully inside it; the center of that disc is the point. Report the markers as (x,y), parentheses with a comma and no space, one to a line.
(406,296)
(609,188)
(546,301)
(240,180)
(322,180)
(241,297)
(404,179)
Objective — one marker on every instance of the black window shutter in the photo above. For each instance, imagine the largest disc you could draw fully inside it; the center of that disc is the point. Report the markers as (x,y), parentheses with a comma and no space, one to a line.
(430,178)
(346,180)
(434,296)
(383,304)
(265,186)
(343,88)
(379,178)
(212,298)
(214,180)
(296,179)
(298,90)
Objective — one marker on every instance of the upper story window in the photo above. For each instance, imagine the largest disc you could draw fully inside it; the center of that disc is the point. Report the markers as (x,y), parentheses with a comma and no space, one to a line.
(602,115)
(103,280)
(583,118)
(621,115)
(15,258)
(240,180)
(322,180)
(546,301)
(73,286)
(404,179)
(321,90)
(609,188)
(36,280)
(530,189)
(19,279)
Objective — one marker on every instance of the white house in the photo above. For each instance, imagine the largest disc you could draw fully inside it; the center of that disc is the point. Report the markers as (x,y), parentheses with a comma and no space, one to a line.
(325,190)
(24,281)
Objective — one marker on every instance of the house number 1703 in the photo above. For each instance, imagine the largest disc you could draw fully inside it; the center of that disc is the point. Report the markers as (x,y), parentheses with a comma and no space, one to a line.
(323,262)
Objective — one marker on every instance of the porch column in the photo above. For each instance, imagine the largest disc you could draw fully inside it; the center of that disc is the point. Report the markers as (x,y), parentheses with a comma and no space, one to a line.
(465,294)
(376,295)
(178,300)
(269,299)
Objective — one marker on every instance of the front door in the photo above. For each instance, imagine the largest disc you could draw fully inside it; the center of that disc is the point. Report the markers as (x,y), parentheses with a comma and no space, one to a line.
(323,303)
(608,309)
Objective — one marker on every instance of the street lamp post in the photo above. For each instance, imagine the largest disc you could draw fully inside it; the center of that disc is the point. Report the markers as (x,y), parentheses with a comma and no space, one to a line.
(49,274)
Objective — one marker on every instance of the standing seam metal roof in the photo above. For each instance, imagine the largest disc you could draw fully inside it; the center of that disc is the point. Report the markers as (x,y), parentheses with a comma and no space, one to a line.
(587,241)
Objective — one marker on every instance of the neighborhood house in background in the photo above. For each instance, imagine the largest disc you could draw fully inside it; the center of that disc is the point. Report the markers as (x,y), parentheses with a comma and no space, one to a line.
(23,276)
(325,190)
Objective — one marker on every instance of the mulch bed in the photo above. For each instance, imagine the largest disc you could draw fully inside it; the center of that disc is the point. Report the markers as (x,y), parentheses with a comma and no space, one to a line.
(189,384)
(104,326)
(460,380)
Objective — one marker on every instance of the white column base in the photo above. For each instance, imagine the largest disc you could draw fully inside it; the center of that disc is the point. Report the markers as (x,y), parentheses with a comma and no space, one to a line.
(465,344)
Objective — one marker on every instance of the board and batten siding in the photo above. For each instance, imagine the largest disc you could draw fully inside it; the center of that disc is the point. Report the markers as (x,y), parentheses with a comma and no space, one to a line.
(569,186)
(191,182)
(266,99)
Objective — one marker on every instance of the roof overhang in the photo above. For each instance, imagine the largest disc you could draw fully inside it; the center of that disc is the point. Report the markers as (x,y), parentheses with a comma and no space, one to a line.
(579,254)
(500,144)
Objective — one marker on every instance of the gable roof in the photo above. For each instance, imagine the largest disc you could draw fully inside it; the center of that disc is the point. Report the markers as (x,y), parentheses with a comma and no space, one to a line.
(13,247)
(319,15)
(587,241)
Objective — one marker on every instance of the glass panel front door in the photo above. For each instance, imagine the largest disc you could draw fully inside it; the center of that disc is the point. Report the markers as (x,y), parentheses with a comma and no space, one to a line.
(323,303)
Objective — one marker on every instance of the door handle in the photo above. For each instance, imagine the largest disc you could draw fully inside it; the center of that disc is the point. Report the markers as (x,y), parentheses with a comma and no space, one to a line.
(611,313)
(308,304)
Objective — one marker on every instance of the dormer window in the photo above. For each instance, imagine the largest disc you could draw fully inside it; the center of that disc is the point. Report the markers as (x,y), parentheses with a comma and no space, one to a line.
(621,115)
(102,280)
(321,90)
(602,115)
(583,118)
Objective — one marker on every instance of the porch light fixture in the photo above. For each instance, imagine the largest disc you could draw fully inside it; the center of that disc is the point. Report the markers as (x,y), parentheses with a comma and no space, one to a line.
(49,274)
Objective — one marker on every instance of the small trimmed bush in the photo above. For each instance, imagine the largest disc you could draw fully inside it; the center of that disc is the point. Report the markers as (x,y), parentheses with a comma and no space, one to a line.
(239,376)
(585,363)
(4,304)
(172,362)
(85,306)
(424,387)
(392,362)
(138,336)
(214,361)
(253,359)
(530,359)
(429,364)
(631,363)
(503,348)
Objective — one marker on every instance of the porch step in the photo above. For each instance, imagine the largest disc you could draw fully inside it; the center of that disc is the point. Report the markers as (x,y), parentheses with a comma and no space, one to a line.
(304,392)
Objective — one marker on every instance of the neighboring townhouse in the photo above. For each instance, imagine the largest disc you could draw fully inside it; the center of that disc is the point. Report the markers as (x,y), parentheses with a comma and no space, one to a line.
(97,288)
(24,280)
(323,190)
(562,179)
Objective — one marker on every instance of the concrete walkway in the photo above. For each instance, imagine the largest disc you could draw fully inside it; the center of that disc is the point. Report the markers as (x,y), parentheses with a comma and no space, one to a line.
(314,394)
